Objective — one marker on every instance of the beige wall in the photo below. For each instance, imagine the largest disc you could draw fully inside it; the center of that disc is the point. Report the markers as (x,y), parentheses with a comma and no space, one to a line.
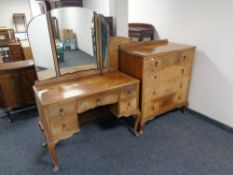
(208,25)
(8,7)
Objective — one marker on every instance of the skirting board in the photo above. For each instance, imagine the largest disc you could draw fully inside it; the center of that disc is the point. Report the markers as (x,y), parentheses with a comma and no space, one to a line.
(210,120)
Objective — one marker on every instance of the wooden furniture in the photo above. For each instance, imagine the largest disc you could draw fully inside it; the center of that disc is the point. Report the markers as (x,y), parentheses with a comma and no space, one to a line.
(27,52)
(62,99)
(10,48)
(164,70)
(141,30)
(60,103)
(16,81)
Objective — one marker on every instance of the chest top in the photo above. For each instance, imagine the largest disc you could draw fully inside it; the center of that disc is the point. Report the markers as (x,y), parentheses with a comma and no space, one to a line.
(155,49)
(83,87)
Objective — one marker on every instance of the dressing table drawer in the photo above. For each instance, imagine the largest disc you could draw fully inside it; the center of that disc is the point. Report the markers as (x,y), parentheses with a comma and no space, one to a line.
(126,107)
(128,92)
(107,99)
(87,104)
(61,109)
(64,126)
(95,101)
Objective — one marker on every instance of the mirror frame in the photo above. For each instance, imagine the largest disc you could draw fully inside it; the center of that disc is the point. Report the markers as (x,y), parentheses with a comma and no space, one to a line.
(82,73)
(98,44)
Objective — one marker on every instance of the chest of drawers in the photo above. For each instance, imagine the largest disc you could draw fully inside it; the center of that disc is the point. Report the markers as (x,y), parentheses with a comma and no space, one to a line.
(165,72)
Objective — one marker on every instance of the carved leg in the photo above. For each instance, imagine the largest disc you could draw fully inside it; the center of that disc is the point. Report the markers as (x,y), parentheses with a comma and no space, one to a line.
(136,124)
(10,119)
(42,130)
(141,127)
(53,154)
(184,109)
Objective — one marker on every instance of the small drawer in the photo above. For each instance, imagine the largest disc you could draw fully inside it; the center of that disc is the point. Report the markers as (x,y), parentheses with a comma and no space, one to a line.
(95,101)
(126,107)
(61,109)
(128,92)
(108,99)
(64,126)
(87,104)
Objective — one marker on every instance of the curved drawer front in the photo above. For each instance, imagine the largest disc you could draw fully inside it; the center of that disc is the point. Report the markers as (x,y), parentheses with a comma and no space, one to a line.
(128,92)
(95,101)
(127,107)
(64,126)
(61,109)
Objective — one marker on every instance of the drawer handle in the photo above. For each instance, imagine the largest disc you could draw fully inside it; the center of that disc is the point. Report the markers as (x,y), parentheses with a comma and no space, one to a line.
(156,63)
(128,92)
(184,58)
(98,102)
(154,93)
(182,71)
(61,112)
(181,85)
(155,77)
(64,126)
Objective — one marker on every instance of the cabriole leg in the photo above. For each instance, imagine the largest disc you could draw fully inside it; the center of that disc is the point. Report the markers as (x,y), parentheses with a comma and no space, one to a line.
(53,154)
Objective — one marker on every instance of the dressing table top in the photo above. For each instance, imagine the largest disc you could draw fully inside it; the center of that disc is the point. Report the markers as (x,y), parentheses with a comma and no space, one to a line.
(59,92)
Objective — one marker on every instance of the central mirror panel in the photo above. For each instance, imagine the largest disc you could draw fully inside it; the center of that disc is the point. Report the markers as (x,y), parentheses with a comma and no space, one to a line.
(75,38)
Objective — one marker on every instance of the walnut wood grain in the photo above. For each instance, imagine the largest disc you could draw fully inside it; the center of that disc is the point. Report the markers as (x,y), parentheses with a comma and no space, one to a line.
(16,81)
(165,72)
(60,104)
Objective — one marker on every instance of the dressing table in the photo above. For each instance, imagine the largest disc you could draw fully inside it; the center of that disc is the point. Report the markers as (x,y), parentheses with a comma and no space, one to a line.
(87,78)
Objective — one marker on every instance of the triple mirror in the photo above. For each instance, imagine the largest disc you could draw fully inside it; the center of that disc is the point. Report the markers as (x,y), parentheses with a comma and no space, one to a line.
(68,40)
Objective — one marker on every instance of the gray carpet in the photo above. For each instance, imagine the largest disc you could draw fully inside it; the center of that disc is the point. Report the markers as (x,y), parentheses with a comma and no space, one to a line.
(76,58)
(175,144)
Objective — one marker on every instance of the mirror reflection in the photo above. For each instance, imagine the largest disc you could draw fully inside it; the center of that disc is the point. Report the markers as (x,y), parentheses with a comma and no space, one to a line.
(75,39)
(104,30)
(38,34)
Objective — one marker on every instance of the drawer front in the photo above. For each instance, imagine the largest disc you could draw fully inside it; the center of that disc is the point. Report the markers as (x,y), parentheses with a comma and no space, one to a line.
(163,104)
(126,107)
(87,104)
(152,65)
(64,126)
(148,109)
(187,62)
(107,99)
(160,89)
(61,109)
(128,92)
(95,101)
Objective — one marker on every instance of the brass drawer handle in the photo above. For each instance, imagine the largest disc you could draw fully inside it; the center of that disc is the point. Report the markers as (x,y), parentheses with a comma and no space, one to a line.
(184,57)
(182,71)
(61,112)
(128,92)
